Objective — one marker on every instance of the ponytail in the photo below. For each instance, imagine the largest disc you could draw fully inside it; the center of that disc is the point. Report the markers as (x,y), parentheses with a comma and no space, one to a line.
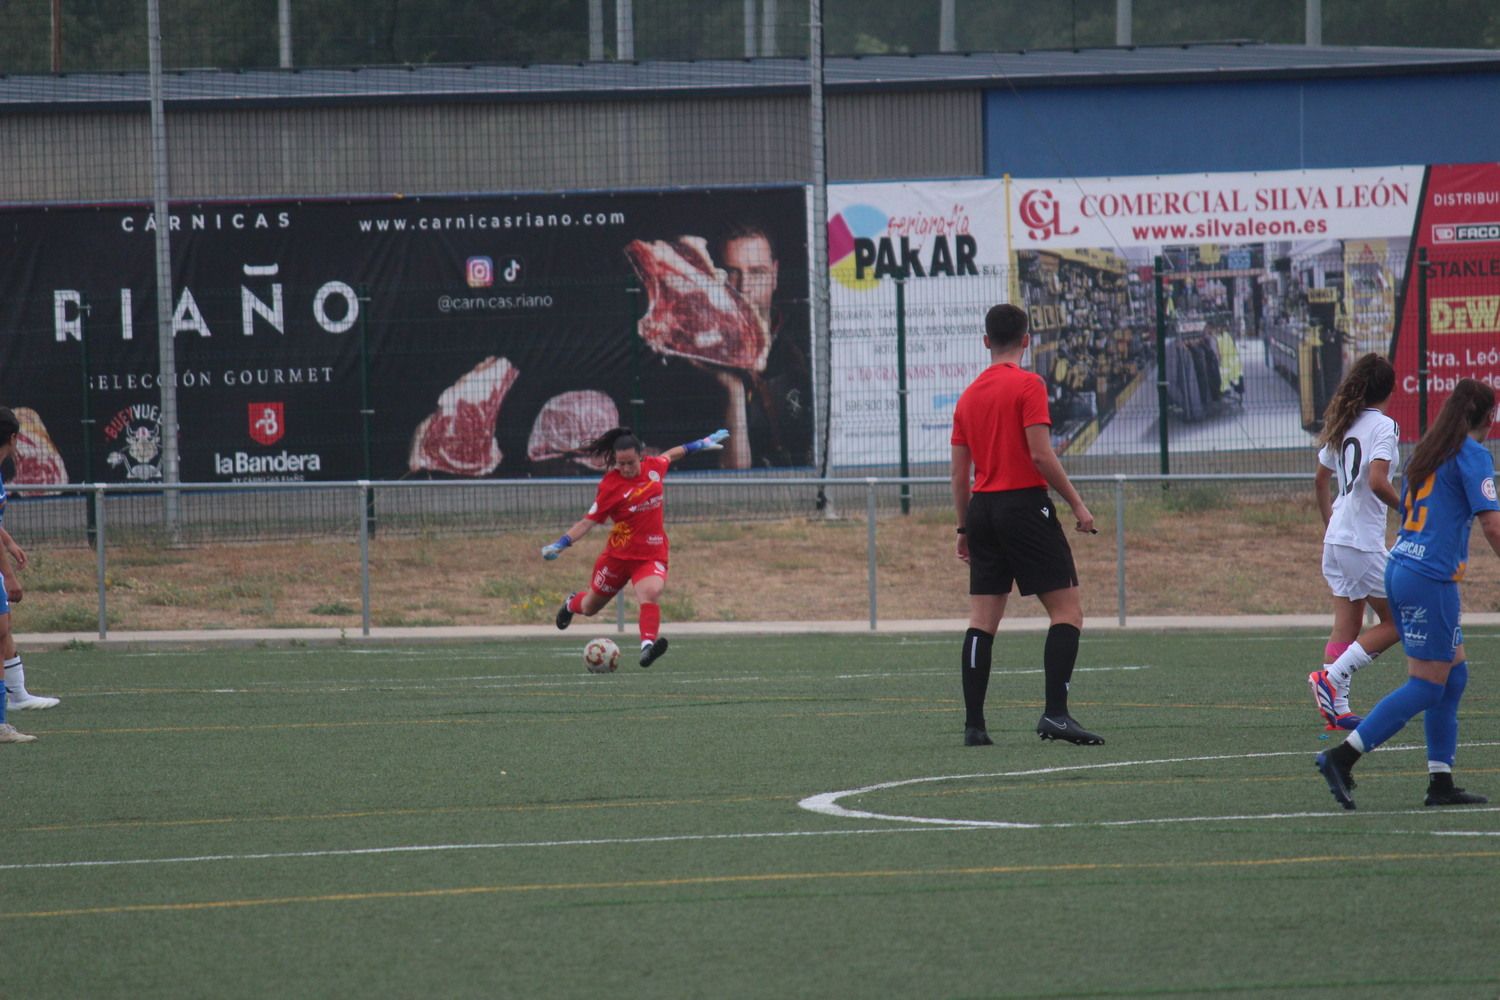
(1468,408)
(615,439)
(1369,382)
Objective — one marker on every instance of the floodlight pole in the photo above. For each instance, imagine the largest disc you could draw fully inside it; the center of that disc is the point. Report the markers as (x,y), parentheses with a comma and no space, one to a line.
(166,345)
(284,31)
(596,30)
(768,27)
(1314,13)
(57,36)
(818,251)
(624,30)
(749,29)
(947,30)
(1124,22)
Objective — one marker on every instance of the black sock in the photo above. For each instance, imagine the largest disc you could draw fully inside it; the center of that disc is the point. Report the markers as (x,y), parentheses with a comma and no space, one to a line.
(1440,781)
(1058,657)
(1345,754)
(978,648)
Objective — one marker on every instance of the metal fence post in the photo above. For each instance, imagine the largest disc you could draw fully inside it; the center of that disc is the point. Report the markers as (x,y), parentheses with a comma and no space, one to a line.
(1162,401)
(100,568)
(870,544)
(1424,366)
(364,556)
(1120,545)
(901,394)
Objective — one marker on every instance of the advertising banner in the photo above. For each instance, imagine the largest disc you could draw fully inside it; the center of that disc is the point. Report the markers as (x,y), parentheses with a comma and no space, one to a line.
(1459,230)
(469,337)
(1276,281)
(943,243)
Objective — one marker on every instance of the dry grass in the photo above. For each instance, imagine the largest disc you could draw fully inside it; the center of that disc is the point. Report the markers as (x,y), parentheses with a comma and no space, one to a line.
(1198,552)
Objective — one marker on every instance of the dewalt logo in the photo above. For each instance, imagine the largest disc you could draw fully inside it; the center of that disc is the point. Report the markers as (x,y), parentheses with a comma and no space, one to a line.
(1464,314)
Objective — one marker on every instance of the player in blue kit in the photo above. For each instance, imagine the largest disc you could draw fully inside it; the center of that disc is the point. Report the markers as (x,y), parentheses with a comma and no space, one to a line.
(1450,481)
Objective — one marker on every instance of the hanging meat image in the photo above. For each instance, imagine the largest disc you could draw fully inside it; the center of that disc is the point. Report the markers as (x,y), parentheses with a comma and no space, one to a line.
(568,423)
(36,458)
(692,310)
(459,438)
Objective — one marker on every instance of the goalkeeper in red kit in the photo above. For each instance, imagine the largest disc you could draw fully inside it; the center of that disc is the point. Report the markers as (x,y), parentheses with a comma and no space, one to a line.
(630,495)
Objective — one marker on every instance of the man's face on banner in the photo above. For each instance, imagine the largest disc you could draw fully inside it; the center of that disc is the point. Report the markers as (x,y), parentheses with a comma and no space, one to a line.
(751,268)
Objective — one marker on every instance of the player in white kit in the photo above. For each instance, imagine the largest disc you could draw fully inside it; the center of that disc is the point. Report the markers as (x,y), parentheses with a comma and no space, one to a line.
(1357,457)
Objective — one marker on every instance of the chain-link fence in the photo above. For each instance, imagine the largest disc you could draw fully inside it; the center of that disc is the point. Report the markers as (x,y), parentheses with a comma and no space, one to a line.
(322,241)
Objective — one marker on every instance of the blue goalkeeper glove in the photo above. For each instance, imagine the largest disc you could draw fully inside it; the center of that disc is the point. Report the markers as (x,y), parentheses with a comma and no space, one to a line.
(550,552)
(713,442)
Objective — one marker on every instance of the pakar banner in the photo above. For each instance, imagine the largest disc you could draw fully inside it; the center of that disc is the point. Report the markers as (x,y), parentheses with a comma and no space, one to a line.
(383,338)
(943,244)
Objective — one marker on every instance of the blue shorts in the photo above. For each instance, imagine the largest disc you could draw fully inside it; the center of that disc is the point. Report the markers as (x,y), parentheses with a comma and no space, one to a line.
(4,597)
(1426,612)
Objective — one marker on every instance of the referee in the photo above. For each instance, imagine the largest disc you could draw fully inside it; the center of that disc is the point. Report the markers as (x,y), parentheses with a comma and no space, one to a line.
(1008,527)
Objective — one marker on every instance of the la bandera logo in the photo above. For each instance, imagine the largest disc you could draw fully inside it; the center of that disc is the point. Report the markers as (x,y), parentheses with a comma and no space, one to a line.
(267,422)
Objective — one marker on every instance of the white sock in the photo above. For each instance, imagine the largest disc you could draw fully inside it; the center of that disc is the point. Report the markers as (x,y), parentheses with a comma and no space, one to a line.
(15,677)
(1350,660)
(1438,767)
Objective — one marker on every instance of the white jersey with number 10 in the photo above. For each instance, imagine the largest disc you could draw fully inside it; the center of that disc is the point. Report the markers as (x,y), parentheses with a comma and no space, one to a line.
(1358,519)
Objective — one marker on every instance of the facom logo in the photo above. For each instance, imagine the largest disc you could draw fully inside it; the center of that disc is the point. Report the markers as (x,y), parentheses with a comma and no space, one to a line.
(1041,214)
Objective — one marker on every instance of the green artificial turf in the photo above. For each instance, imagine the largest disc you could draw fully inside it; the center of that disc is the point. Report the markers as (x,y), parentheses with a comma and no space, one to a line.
(492,821)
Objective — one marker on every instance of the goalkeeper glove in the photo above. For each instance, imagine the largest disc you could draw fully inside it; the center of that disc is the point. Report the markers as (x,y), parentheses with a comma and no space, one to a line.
(550,552)
(713,442)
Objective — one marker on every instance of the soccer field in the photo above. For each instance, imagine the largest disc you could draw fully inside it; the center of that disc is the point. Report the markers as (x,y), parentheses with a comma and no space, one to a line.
(749,818)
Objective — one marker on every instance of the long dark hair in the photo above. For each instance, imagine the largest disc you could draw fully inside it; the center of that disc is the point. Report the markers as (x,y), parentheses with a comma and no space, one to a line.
(615,439)
(1369,382)
(10,425)
(1468,408)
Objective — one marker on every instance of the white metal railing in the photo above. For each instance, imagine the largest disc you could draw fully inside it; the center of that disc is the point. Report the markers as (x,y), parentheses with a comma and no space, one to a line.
(362,492)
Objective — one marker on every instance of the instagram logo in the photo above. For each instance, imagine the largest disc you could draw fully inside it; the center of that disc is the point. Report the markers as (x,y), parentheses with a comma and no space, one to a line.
(479,272)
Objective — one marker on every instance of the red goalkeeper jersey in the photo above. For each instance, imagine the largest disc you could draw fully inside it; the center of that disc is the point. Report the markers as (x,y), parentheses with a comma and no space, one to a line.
(636,506)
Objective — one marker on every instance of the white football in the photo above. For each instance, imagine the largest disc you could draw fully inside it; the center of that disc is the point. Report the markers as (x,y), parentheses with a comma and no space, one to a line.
(601,656)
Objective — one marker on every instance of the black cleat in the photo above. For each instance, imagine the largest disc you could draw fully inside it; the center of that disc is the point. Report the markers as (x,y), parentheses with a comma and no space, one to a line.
(564,616)
(1064,727)
(977,736)
(1339,777)
(1447,795)
(654,651)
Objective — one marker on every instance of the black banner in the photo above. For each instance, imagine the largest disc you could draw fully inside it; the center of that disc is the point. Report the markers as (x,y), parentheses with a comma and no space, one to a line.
(386,338)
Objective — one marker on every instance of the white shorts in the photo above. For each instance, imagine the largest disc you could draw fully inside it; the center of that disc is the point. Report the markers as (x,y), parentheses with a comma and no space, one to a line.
(1354,573)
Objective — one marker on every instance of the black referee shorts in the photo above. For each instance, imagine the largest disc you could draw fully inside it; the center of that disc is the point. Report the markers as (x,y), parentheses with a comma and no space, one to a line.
(1015,536)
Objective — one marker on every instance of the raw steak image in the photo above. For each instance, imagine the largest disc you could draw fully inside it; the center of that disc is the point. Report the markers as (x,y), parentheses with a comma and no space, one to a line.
(37,458)
(569,423)
(459,438)
(692,310)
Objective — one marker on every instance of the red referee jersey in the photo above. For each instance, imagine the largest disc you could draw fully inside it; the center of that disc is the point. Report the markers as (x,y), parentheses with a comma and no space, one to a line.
(991,420)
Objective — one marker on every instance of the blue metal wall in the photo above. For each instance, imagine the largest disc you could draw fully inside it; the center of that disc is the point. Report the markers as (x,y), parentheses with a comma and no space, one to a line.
(1245,125)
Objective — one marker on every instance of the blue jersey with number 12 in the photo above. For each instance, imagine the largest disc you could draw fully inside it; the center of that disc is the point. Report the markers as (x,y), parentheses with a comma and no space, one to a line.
(1434,536)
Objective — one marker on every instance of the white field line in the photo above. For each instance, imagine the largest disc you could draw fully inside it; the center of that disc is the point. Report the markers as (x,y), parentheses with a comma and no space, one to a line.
(546,681)
(827,803)
(923,824)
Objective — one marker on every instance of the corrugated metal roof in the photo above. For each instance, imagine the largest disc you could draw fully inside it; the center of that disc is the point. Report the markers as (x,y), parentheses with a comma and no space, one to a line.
(1138,64)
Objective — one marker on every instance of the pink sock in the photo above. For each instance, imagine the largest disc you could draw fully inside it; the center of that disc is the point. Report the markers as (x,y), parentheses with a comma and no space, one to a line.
(1333,650)
(650,621)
